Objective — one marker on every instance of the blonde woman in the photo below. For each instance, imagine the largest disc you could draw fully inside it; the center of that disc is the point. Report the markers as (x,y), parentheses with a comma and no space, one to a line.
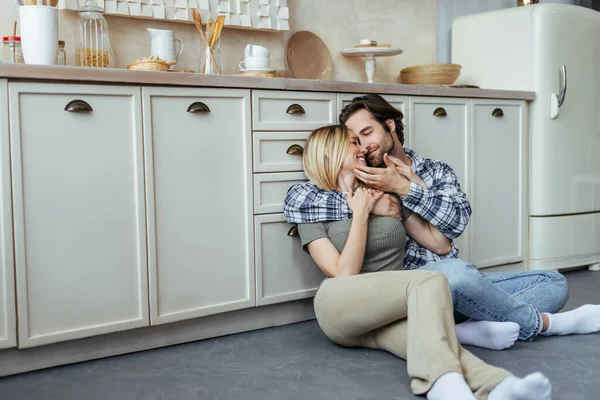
(368,301)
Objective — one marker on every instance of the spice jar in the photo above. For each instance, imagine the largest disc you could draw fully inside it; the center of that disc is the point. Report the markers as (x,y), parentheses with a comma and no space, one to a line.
(11,50)
(61,56)
(92,46)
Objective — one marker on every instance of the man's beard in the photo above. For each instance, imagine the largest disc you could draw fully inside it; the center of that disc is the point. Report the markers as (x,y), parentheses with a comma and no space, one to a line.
(377,160)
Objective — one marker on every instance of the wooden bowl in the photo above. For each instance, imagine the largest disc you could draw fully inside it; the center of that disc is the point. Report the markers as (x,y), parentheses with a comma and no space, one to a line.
(149,65)
(430,74)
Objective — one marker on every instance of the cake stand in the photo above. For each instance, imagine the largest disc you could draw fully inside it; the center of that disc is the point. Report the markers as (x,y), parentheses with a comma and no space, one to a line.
(370,53)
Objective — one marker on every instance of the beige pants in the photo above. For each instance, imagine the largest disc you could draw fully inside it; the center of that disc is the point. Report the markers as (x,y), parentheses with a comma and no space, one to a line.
(409,314)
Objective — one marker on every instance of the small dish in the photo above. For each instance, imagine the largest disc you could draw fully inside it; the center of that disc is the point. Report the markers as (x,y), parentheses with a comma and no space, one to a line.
(242,70)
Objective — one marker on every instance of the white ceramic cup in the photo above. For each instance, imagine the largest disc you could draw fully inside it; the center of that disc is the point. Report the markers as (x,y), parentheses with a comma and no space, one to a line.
(255,63)
(255,50)
(39,34)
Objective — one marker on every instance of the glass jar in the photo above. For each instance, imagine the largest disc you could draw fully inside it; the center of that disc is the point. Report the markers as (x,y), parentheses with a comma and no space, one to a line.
(61,56)
(11,50)
(92,46)
(211,61)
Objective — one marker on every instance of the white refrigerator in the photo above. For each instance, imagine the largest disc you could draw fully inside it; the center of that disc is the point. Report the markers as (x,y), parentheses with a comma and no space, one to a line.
(554,51)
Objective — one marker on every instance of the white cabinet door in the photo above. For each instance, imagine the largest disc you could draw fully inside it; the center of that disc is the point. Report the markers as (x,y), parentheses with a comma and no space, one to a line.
(284,271)
(439,130)
(199,179)
(78,193)
(8,313)
(399,102)
(498,196)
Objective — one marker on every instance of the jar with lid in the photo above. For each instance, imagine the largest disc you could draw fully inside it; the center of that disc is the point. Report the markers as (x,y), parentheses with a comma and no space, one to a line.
(61,56)
(92,45)
(11,50)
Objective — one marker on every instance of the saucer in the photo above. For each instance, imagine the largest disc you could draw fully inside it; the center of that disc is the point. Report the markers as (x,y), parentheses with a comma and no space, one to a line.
(257,70)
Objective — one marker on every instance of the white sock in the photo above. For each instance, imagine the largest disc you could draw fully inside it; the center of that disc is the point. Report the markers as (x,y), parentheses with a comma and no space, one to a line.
(450,386)
(533,387)
(488,334)
(585,319)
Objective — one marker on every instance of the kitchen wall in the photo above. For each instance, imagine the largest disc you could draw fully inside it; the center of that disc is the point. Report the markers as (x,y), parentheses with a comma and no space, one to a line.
(450,9)
(408,24)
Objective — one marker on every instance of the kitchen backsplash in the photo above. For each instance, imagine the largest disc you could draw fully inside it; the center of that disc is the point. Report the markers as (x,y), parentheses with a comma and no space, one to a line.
(410,25)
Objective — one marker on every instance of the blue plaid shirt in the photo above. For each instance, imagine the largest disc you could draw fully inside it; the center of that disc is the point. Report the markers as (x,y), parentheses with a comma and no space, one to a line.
(444,205)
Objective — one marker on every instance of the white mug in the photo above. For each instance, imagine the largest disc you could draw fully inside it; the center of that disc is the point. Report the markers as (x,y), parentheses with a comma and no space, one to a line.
(162,44)
(254,63)
(39,34)
(254,50)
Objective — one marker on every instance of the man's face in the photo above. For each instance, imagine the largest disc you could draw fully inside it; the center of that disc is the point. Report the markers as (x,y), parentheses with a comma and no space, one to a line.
(373,136)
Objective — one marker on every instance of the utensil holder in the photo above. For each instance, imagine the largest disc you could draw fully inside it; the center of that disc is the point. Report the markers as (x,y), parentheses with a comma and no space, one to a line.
(39,34)
(211,61)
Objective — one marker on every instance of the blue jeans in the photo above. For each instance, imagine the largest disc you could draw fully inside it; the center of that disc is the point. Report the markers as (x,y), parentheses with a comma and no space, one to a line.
(503,296)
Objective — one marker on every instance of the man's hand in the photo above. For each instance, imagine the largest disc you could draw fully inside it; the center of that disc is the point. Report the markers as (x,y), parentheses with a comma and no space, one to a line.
(388,206)
(405,170)
(387,179)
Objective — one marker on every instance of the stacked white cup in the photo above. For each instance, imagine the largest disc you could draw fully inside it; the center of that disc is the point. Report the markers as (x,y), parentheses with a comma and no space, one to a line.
(255,58)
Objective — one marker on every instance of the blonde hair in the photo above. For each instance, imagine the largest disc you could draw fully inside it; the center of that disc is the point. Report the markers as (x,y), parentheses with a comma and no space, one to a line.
(324,154)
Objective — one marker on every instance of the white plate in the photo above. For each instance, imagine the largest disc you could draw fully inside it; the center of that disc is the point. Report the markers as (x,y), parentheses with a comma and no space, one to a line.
(257,70)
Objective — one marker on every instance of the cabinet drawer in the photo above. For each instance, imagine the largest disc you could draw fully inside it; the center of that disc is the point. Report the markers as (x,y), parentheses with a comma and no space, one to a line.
(284,271)
(292,111)
(278,151)
(270,190)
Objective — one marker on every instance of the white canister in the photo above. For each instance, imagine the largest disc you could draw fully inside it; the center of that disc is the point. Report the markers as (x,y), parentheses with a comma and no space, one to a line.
(39,34)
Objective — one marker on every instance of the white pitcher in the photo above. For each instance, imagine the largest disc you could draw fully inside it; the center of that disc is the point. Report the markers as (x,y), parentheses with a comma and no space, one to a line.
(162,44)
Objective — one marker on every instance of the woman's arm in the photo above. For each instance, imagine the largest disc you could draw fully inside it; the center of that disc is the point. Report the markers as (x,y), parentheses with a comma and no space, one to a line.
(350,260)
(426,235)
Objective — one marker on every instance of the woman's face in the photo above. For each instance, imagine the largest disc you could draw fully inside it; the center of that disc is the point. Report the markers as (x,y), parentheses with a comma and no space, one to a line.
(355,156)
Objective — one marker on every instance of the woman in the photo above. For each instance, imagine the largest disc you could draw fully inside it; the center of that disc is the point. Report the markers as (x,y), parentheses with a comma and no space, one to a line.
(408,313)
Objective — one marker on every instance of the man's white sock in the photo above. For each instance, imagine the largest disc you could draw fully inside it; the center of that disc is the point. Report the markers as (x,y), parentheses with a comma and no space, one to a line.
(585,319)
(488,334)
(533,387)
(450,386)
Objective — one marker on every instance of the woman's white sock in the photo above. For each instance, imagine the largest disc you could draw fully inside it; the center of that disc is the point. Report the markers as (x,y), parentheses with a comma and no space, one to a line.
(585,319)
(488,334)
(450,386)
(533,387)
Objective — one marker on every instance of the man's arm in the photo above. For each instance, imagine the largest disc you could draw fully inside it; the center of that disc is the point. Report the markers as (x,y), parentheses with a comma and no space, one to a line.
(444,204)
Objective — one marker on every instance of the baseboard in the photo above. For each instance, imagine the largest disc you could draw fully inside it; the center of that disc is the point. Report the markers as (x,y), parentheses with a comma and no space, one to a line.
(14,361)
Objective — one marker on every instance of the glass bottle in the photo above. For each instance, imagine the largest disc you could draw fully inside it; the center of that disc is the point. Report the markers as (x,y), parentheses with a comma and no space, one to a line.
(92,46)
(61,56)
(11,50)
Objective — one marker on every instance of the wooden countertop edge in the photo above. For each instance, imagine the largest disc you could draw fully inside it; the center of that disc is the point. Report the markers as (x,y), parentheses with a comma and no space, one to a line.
(127,77)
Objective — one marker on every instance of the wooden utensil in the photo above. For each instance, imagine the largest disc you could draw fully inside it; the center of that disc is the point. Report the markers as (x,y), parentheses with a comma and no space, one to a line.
(210,29)
(217,34)
(198,22)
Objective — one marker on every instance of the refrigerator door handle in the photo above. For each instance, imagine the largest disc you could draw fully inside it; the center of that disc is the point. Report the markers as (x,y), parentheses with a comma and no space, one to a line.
(556,101)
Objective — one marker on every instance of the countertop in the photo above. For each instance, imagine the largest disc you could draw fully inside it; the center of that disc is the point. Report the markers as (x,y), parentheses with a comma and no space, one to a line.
(62,74)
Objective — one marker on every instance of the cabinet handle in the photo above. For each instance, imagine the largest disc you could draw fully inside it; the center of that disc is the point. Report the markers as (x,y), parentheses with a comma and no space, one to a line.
(295,149)
(295,109)
(78,106)
(498,113)
(440,112)
(198,107)
(293,231)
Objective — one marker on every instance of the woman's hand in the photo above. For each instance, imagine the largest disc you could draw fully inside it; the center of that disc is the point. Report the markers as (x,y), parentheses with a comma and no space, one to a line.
(363,201)
(404,170)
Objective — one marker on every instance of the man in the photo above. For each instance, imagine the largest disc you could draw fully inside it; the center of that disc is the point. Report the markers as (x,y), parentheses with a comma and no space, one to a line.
(503,306)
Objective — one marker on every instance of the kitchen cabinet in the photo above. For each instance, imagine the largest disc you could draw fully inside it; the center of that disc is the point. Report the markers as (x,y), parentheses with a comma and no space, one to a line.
(399,102)
(199,191)
(499,182)
(270,190)
(439,129)
(285,272)
(78,198)
(278,151)
(8,313)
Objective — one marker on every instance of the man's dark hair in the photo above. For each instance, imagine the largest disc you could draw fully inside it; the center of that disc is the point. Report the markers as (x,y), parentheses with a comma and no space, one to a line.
(380,109)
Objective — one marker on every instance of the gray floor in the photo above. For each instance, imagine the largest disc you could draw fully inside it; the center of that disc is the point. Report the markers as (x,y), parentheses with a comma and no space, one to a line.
(297,362)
